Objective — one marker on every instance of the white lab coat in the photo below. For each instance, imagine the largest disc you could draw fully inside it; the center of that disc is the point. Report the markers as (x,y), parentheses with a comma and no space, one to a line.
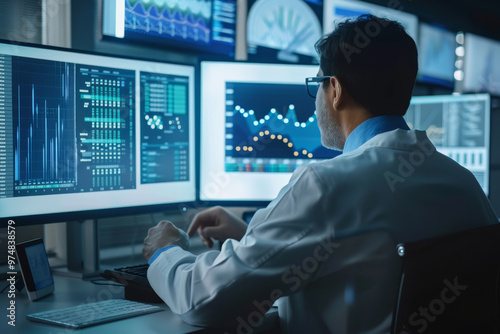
(326,286)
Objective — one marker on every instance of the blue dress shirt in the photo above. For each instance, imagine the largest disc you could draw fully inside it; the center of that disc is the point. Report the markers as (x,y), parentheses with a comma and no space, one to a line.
(372,127)
(158,252)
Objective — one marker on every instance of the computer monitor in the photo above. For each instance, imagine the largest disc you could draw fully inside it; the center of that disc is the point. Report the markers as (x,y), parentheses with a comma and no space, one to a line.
(338,10)
(459,127)
(85,135)
(201,25)
(436,55)
(258,124)
(481,67)
(284,30)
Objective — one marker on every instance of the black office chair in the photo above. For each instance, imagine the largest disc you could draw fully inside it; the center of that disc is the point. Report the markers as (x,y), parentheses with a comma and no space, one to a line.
(450,284)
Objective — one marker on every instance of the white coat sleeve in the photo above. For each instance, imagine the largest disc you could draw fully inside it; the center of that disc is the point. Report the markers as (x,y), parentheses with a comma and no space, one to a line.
(216,287)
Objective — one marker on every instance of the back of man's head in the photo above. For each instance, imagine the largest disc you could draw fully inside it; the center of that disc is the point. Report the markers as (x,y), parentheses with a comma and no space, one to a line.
(375,61)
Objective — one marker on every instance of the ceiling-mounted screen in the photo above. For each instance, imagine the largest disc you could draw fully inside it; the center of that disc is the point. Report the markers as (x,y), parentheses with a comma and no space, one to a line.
(339,10)
(481,65)
(283,30)
(436,53)
(201,25)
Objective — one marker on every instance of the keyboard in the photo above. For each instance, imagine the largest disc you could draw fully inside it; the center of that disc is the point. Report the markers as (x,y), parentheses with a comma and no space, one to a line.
(140,270)
(136,283)
(91,314)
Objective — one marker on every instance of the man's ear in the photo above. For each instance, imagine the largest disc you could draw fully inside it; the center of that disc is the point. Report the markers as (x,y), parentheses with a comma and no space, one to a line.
(338,96)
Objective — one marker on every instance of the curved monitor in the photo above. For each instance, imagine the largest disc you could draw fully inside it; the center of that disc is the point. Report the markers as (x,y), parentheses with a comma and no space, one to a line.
(83,135)
(258,124)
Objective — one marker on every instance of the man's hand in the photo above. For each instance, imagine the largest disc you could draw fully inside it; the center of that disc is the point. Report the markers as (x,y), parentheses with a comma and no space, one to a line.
(164,234)
(217,223)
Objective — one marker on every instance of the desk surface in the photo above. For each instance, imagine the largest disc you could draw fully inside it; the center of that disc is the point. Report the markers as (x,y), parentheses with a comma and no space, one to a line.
(73,291)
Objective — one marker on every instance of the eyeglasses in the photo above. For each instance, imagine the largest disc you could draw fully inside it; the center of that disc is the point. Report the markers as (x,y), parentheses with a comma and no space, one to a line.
(313,83)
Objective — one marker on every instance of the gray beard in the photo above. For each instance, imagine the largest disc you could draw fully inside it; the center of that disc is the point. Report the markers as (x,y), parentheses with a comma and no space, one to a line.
(331,133)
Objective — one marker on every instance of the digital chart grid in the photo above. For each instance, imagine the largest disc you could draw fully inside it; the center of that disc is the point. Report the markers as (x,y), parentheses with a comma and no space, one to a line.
(106,110)
(164,128)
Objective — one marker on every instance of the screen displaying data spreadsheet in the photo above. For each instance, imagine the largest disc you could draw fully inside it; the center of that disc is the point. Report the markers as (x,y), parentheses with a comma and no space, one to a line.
(202,25)
(82,132)
(459,127)
(258,124)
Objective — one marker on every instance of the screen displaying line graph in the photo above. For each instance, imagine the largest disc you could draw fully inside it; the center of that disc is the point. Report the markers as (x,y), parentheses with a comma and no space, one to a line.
(257,126)
(188,21)
(203,25)
(275,133)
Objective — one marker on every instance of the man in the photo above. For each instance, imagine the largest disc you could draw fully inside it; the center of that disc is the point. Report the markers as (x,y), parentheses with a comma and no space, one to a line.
(387,175)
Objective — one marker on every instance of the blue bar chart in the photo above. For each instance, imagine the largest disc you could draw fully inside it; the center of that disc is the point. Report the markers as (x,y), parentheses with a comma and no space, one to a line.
(72,127)
(44,122)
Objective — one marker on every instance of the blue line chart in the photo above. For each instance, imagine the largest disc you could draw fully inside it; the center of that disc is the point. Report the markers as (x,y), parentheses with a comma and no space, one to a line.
(174,20)
(272,121)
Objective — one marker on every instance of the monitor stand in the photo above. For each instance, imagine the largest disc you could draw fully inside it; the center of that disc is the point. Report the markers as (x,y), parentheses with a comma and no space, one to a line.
(82,250)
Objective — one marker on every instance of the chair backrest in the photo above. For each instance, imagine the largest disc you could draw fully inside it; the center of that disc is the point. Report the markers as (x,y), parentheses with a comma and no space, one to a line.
(450,284)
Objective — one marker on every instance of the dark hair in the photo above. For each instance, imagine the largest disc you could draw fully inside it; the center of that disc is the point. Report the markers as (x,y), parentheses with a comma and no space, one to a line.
(375,60)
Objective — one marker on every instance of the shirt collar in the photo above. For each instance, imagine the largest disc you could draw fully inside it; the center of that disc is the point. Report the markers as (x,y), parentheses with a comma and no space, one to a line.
(372,127)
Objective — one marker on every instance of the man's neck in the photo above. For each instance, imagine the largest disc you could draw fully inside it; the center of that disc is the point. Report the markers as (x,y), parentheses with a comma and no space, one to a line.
(352,117)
